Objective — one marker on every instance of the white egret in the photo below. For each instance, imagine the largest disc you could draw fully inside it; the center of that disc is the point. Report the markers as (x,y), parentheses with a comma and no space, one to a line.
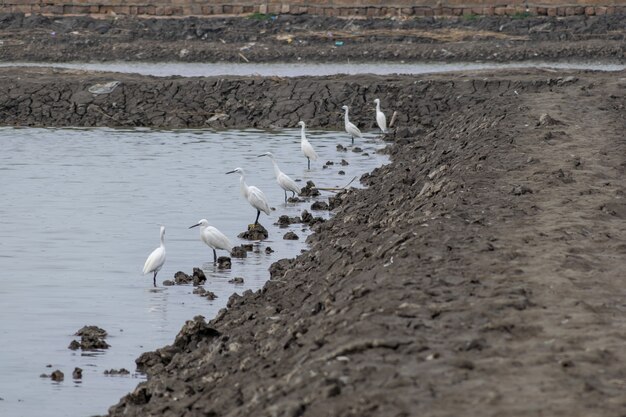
(286,183)
(255,197)
(306,147)
(381,120)
(156,259)
(350,127)
(213,237)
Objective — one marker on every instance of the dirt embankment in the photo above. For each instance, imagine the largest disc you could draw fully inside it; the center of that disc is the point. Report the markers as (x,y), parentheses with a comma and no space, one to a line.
(311,38)
(48,97)
(481,273)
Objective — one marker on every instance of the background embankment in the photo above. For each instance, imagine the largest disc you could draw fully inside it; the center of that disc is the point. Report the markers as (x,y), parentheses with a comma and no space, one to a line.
(306,38)
(480,273)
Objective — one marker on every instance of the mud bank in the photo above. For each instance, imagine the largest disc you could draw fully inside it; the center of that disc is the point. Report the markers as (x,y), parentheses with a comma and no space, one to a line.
(311,38)
(54,97)
(481,273)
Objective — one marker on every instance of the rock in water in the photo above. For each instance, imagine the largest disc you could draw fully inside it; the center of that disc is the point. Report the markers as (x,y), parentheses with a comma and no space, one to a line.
(290,236)
(254,232)
(309,190)
(239,252)
(57,376)
(77,374)
(223,262)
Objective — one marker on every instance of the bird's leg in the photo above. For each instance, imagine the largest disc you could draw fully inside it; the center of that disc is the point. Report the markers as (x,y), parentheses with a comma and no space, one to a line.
(154,278)
(293,195)
(285,196)
(214,256)
(308,163)
(258,213)
(353,140)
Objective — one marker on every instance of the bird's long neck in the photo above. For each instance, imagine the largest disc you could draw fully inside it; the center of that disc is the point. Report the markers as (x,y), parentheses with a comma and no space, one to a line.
(243,186)
(276,169)
(378,106)
(162,238)
(346,117)
(302,135)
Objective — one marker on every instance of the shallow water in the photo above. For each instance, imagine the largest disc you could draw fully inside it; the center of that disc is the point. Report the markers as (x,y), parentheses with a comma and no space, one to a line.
(195,69)
(80,212)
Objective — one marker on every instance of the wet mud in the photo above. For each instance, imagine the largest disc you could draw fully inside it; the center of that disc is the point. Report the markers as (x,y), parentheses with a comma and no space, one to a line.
(480,273)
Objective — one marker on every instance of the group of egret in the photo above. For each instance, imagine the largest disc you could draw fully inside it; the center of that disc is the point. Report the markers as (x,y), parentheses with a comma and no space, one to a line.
(215,239)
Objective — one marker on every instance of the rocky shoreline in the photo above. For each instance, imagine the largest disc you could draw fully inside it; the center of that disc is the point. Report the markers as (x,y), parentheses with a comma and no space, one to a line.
(480,273)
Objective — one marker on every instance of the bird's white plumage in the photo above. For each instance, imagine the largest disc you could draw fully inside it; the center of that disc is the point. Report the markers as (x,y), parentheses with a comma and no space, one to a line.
(282,179)
(156,259)
(351,129)
(255,197)
(213,237)
(381,120)
(305,145)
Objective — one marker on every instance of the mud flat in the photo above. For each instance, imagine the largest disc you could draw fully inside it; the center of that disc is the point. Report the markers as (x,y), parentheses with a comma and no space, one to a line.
(480,273)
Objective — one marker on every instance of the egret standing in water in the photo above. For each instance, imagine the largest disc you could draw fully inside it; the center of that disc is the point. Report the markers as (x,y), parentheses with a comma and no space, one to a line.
(155,261)
(306,147)
(381,120)
(352,130)
(255,197)
(213,237)
(286,183)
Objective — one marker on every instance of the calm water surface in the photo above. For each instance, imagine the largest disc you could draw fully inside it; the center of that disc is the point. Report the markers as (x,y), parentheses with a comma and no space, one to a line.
(80,212)
(193,69)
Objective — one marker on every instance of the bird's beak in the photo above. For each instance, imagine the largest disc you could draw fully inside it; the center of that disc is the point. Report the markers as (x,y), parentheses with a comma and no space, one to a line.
(195,225)
(230,172)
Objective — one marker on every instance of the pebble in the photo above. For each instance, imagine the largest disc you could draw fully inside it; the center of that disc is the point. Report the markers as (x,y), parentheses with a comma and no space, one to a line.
(78,373)
(239,252)
(223,262)
(269,250)
(236,280)
(290,236)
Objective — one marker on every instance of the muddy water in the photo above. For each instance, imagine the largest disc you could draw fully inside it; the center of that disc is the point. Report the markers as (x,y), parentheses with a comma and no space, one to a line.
(163,69)
(80,212)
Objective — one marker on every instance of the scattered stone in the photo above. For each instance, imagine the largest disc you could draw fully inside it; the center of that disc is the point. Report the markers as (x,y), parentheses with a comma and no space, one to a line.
(520,190)
(357,149)
(239,252)
(254,232)
(236,280)
(319,205)
(248,247)
(344,162)
(269,250)
(547,120)
(113,372)
(49,365)
(199,290)
(290,236)
(309,190)
(209,295)
(334,201)
(57,376)
(294,200)
(308,218)
(198,277)
(91,338)
(342,172)
(341,148)
(324,167)
(181,278)
(329,163)
(223,262)
(168,283)
(284,220)
(77,374)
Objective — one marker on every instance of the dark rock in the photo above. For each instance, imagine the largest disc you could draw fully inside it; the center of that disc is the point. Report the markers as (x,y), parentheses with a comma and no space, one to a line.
(319,205)
(239,252)
(209,295)
(520,190)
(236,280)
(309,190)
(91,331)
(181,278)
(329,163)
(168,283)
(357,149)
(93,343)
(547,120)
(223,262)
(269,250)
(335,200)
(254,232)
(294,200)
(290,236)
(113,372)
(77,374)
(279,267)
(91,338)
(308,218)
(57,376)
(74,345)
(199,290)
(248,247)
(284,220)
(198,277)
(342,172)
(341,148)
(344,162)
